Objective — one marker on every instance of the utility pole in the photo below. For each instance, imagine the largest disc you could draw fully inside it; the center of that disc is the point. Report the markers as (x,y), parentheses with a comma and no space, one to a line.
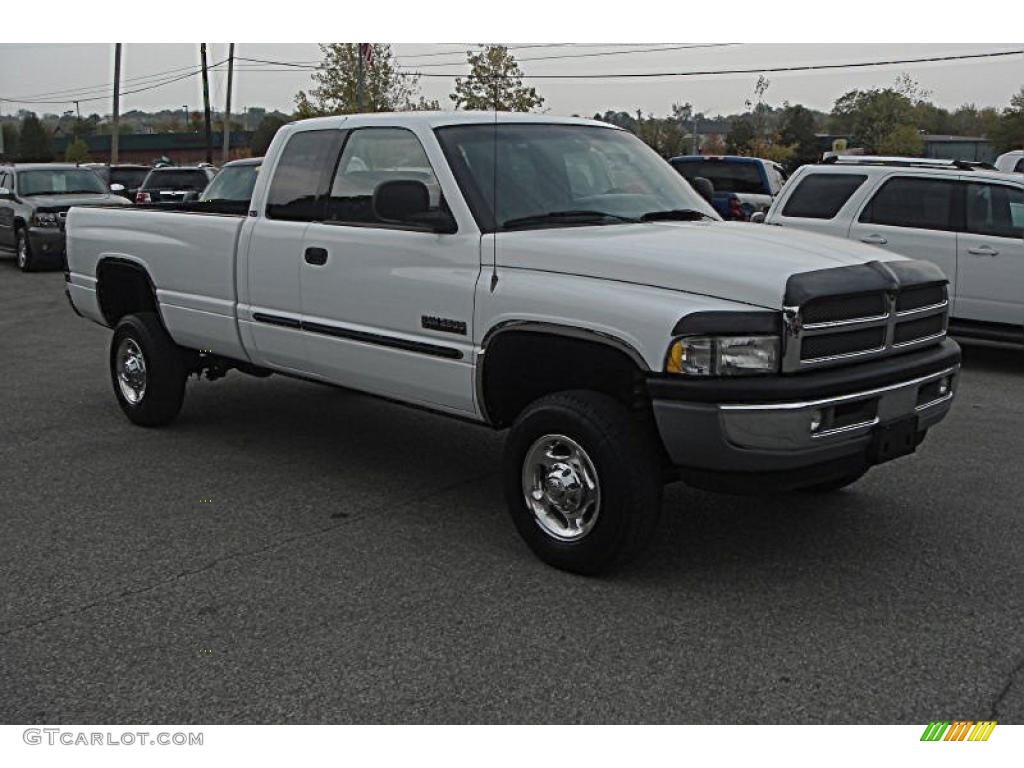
(115,130)
(696,141)
(206,103)
(1,131)
(226,128)
(184,108)
(359,77)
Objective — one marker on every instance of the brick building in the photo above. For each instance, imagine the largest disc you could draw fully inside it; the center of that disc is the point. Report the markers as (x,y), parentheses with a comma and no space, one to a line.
(145,148)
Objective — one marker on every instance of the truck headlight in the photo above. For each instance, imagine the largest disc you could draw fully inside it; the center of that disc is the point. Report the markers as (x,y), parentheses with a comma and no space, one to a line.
(723,355)
(44,220)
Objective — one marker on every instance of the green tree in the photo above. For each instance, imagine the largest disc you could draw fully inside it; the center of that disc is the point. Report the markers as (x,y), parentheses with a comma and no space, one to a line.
(494,82)
(741,135)
(77,152)
(902,141)
(385,87)
(34,141)
(10,142)
(871,116)
(796,130)
(264,134)
(1008,131)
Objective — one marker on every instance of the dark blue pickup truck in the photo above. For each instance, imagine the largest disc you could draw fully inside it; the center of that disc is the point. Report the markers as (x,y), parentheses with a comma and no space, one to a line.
(743,185)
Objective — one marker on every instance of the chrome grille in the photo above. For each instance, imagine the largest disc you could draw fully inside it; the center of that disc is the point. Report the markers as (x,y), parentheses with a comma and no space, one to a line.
(834,330)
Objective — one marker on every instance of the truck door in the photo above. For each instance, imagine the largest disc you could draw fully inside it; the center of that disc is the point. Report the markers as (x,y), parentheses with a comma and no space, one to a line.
(273,315)
(990,264)
(388,308)
(917,217)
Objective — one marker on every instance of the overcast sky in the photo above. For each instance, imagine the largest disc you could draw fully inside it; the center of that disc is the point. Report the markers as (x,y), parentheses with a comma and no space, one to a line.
(63,72)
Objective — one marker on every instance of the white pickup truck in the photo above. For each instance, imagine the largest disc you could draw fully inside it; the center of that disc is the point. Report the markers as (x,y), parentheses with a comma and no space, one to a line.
(551,276)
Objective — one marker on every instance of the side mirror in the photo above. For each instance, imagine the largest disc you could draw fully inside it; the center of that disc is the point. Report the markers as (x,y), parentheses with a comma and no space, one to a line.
(5,193)
(117,188)
(406,201)
(703,187)
(757,218)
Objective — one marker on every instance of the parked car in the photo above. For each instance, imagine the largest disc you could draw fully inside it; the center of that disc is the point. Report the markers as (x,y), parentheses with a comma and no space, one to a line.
(552,276)
(231,189)
(173,184)
(966,220)
(743,185)
(1011,162)
(34,201)
(122,179)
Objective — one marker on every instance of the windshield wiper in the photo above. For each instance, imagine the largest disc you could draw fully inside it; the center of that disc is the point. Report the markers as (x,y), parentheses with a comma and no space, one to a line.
(567,217)
(676,214)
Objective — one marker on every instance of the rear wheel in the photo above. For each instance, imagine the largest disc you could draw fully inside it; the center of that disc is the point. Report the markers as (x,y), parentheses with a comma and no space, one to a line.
(582,481)
(147,370)
(23,250)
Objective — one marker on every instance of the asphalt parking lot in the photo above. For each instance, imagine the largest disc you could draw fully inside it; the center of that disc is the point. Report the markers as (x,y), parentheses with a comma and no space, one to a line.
(287,552)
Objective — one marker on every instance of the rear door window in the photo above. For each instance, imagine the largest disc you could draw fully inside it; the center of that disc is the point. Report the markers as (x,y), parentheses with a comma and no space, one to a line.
(996,210)
(822,195)
(914,202)
(303,175)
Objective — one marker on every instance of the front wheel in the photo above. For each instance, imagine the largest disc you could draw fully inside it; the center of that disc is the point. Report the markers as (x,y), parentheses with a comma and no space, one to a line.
(147,370)
(582,481)
(23,250)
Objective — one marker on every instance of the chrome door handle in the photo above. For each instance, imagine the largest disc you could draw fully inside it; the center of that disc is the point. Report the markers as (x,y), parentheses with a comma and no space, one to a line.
(874,240)
(983,250)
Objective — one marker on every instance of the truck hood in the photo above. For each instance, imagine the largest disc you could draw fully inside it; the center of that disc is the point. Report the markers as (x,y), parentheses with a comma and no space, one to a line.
(748,263)
(63,202)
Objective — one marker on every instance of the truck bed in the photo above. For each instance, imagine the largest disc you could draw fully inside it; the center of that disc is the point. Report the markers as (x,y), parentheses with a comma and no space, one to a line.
(183,251)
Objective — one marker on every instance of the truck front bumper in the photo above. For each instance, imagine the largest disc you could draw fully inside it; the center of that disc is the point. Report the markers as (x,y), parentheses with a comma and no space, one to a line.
(47,245)
(780,432)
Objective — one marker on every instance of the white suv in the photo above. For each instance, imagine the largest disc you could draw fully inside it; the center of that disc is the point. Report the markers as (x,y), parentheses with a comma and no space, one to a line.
(967,220)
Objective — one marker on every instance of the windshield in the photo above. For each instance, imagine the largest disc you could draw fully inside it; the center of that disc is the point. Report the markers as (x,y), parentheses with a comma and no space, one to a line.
(59,181)
(234,183)
(726,175)
(562,175)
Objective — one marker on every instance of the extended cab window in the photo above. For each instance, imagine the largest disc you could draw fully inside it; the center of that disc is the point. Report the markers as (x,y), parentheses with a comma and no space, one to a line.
(302,174)
(371,157)
(918,203)
(995,210)
(822,195)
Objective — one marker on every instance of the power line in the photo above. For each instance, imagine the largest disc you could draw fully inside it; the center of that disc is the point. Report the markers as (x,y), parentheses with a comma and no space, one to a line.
(748,71)
(607,53)
(105,96)
(88,89)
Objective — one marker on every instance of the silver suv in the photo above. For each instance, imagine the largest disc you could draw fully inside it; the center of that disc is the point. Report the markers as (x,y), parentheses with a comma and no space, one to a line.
(963,217)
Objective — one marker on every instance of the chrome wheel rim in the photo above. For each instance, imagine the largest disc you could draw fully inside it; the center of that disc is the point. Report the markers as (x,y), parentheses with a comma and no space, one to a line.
(22,252)
(561,488)
(130,366)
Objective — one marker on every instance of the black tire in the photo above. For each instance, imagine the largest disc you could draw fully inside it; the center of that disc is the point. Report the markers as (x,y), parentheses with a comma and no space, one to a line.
(23,256)
(836,483)
(163,365)
(625,458)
